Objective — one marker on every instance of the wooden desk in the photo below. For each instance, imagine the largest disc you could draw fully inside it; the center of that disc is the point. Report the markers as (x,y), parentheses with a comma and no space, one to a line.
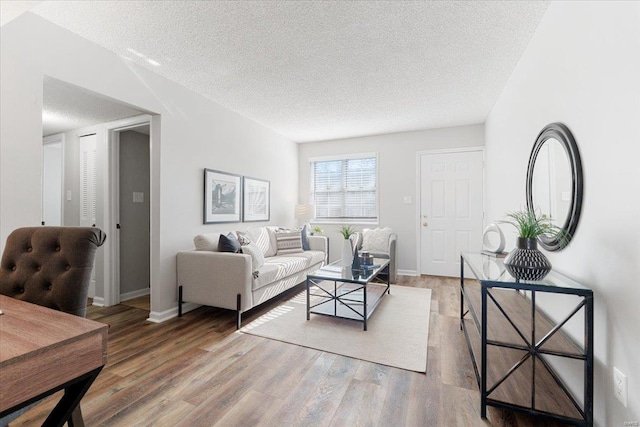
(43,351)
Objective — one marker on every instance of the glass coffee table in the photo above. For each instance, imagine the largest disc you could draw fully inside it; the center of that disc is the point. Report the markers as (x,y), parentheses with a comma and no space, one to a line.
(339,291)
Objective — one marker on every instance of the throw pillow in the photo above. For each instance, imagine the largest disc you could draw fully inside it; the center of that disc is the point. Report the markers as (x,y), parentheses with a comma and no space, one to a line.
(207,242)
(273,246)
(288,242)
(229,243)
(376,240)
(257,258)
(305,238)
(264,238)
(243,238)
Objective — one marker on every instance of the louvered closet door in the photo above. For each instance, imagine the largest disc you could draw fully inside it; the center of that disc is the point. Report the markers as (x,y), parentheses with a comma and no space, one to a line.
(88,190)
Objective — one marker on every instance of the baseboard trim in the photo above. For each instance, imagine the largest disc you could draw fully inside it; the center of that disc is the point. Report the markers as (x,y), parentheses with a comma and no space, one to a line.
(163,316)
(134,294)
(408,273)
(98,301)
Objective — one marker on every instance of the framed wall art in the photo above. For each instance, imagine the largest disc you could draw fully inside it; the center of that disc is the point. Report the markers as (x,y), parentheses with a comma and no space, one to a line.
(256,194)
(222,197)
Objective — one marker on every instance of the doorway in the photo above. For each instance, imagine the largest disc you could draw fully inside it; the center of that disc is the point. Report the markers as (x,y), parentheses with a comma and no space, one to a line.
(90,112)
(451,208)
(133,215)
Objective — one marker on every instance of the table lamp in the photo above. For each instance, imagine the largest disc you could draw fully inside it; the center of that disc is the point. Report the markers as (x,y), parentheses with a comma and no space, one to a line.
(304,213)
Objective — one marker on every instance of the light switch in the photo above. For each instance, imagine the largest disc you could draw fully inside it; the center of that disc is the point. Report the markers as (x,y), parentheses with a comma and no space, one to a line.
(138,197)
(68,194)
(407,200)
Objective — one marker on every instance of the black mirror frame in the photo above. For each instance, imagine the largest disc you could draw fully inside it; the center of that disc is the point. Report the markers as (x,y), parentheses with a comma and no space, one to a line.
(561,133)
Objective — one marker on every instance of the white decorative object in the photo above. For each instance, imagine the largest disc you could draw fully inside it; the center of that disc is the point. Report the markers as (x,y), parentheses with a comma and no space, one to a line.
(347,252)
(493,239)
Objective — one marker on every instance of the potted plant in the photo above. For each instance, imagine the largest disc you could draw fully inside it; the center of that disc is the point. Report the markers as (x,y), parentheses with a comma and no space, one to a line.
(347,250)
(526,262)
(347,231)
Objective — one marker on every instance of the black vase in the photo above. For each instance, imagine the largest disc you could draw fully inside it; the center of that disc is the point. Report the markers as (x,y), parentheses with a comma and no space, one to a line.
(526,262)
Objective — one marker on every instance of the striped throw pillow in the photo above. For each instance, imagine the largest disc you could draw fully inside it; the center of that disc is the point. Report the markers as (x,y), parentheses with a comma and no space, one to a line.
(288,242)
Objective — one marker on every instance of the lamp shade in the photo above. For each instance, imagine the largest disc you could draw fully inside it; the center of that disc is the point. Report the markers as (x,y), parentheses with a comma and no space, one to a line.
(304,212)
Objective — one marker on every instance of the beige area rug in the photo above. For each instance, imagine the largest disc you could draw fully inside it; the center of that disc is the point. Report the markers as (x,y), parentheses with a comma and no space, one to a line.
(397,331)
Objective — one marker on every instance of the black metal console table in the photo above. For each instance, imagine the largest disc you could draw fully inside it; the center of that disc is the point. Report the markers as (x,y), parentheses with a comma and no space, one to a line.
(512,341)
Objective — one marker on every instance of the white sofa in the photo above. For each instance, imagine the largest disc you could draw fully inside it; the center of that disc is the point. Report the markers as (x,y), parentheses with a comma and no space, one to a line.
(227,280)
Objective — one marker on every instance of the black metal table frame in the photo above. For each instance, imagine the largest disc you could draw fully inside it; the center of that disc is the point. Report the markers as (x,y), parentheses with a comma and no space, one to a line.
(333,296)
(532,348)
(74,391)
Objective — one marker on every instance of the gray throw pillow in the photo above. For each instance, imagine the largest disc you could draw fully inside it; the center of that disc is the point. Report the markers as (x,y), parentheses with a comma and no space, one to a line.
(228,243)
(305,238)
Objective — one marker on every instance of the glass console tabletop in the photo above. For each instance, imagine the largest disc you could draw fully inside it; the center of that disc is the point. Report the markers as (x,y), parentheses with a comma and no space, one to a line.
(491,269)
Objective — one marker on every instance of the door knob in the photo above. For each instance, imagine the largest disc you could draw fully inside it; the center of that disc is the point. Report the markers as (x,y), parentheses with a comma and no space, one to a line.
(425,224)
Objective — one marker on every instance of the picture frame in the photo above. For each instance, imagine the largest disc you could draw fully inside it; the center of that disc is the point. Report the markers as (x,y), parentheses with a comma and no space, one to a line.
(222,197)
(256,194)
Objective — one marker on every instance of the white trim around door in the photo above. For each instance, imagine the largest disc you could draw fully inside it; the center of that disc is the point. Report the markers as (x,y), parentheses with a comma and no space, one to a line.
(418,214)
(111,208)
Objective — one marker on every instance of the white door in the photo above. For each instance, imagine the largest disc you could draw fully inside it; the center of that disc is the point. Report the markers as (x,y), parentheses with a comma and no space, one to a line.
(88,191)
(451,209)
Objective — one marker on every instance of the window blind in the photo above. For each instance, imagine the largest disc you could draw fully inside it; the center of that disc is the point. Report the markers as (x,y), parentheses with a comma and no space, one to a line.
(345,189)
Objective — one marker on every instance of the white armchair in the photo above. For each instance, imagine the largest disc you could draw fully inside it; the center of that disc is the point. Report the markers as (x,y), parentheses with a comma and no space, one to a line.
(381,243)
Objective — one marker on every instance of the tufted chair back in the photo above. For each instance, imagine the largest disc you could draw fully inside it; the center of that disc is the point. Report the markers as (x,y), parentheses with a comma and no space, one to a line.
(50,266)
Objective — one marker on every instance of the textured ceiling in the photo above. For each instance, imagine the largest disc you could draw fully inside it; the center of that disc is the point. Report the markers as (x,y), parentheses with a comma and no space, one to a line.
(67,107)
(321,69)
(10,10)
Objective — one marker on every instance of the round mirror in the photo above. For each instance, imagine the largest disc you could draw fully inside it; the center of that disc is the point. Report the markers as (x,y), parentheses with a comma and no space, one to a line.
(554,182)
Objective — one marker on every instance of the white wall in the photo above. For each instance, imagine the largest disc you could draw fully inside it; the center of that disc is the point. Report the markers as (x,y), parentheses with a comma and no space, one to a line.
(20,144)
(582,68)
(195,133)
(52,182)
(396,178)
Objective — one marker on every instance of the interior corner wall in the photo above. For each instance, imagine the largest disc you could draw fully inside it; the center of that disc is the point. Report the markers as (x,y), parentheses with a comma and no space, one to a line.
(582,68)
(397,178)
(195,133)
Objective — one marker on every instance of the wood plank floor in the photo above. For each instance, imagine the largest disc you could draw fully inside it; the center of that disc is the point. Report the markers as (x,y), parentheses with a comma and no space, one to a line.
(198,371)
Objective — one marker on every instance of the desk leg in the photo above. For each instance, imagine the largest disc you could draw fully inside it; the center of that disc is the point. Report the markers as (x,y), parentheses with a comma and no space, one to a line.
(76,419)
(70,400)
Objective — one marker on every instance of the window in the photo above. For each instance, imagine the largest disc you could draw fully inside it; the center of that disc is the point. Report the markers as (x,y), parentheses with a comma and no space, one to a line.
(345,188)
